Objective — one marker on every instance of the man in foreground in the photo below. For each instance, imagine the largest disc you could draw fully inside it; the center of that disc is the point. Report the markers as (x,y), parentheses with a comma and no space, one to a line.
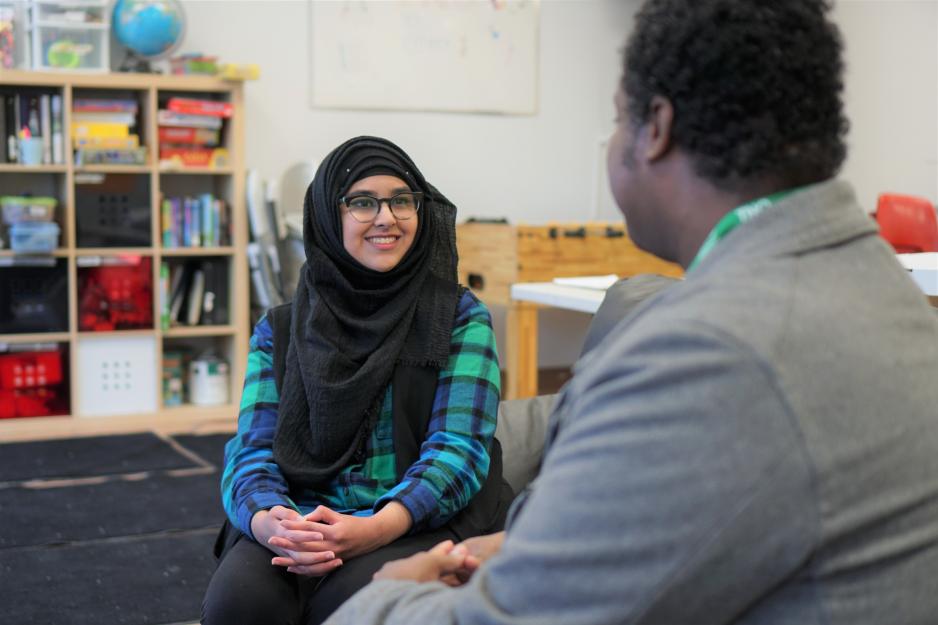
(755,445)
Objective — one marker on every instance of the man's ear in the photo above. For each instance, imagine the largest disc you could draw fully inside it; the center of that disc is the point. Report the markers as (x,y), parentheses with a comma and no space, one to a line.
(658,128)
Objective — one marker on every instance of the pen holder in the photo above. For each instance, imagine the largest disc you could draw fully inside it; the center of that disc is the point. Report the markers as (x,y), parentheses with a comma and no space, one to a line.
(30,151)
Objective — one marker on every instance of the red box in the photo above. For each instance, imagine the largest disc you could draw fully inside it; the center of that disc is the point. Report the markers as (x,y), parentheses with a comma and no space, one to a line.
(116,295)
(30,369)
(29,402)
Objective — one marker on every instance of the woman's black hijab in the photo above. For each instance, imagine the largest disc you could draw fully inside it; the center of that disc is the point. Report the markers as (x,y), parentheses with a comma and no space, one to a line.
(351,325)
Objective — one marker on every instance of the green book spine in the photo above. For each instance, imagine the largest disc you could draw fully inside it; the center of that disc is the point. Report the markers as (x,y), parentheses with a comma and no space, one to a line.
(164,295)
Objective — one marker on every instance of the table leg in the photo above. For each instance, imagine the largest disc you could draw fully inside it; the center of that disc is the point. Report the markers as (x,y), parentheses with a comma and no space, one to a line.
(521,335)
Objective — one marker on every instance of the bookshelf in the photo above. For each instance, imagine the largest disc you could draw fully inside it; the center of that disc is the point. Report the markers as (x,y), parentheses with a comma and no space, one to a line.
(138,351)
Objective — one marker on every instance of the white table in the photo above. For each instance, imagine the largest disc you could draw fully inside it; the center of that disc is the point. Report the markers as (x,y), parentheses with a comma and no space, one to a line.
(550,294)
(924,270)
(527,297)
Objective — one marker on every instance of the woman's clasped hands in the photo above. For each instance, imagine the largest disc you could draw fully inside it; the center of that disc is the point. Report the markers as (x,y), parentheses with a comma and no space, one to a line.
(322,540)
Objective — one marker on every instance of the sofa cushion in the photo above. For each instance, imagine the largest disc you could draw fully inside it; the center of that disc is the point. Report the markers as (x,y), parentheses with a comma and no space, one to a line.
(522,429)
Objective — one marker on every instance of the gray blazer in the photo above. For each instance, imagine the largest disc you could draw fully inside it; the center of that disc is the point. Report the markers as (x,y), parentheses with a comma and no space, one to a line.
(756,445)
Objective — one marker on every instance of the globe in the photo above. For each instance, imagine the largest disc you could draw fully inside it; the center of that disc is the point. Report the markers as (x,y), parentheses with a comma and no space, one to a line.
(149,28)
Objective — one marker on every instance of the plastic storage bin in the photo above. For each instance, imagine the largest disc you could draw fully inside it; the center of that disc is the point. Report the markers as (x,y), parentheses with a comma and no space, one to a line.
(34,237)
(71,35)
(16,208)
(14,35)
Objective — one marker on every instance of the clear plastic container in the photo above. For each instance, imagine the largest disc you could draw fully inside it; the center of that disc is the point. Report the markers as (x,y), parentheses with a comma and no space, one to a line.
(34,237)
(72,11)
(71,35)
(14,34)
(18,208)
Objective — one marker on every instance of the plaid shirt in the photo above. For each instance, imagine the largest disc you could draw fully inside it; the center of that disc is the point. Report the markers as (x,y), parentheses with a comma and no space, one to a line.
(453,460)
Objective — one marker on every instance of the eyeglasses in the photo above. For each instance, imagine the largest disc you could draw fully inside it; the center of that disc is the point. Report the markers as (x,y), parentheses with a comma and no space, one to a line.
(365,208)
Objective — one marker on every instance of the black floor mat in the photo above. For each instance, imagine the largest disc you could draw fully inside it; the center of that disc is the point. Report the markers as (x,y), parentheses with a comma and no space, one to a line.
(115,508)
(210,447)
(155,579)
(85,457)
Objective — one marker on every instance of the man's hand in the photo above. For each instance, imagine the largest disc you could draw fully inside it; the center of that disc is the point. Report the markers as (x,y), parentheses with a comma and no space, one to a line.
(478,549)
(484,547)
(426,566)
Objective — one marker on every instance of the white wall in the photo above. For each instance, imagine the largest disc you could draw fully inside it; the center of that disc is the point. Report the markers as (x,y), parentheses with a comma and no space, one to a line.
(891,96)
(546,167)
(530,168)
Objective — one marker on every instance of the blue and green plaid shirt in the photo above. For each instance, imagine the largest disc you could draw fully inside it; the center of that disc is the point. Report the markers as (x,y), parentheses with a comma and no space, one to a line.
(453,459)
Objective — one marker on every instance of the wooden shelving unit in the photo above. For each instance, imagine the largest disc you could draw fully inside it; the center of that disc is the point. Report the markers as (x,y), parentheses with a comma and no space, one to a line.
(230,339)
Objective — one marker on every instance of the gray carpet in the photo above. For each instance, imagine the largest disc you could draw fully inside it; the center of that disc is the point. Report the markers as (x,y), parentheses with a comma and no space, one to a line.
(122,534)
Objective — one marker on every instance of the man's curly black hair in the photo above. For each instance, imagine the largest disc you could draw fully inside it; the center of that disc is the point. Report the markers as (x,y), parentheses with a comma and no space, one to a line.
(755,84)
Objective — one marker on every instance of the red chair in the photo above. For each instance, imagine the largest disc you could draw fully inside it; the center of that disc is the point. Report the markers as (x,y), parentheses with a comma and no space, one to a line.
(907,223)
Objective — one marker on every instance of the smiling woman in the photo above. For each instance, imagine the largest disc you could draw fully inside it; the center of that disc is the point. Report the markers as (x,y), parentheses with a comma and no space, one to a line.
(375,237)
(366,430)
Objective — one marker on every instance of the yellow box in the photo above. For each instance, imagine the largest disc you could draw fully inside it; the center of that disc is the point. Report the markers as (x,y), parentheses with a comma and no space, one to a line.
(102,130)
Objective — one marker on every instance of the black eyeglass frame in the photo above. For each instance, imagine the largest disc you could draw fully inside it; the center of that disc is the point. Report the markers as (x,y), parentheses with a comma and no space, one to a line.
(418,201)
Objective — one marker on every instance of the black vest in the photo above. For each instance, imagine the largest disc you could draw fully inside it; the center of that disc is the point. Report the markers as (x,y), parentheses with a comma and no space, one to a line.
(413,390)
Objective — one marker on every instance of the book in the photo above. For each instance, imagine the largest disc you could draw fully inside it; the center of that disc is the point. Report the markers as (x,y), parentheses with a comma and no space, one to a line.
(58,141)
(224,222)
(166,222)
(188,136)
(12,128)
(195,222)
(3,128)
(178,288)
(104,105)
(99,129)
(207,220)
(194,156)
(103,156)
(169,118)
(192,106)
(32,116)
(195,297)
(164,295)
(108,143)
(45,124)
(215,298)
(104,117)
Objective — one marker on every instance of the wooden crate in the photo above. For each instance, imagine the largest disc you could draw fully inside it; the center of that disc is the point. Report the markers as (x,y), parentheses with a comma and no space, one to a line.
(493,256)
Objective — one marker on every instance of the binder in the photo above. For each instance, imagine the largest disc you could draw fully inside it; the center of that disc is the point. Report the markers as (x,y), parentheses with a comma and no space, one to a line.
(215,299)
(58,140)
(196,293)
(3,128)
(178,288)
(45,124)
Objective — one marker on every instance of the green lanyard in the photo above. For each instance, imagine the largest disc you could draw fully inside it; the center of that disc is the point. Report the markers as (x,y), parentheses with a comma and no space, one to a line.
(734,218)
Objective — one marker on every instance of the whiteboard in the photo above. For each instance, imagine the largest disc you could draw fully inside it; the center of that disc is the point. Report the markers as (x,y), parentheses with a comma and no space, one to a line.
(478,56)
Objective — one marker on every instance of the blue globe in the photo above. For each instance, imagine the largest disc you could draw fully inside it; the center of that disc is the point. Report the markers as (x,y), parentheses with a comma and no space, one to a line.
(150,28)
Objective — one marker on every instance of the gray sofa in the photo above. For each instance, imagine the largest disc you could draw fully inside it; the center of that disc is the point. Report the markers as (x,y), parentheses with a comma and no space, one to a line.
(522,423)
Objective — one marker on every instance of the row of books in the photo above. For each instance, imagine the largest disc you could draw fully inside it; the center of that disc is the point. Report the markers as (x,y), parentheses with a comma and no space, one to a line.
(190,132)
(32,115)
(195,221)
(194,293)
(103,132)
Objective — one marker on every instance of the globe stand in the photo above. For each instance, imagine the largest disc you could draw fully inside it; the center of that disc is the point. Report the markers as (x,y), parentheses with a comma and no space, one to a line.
(136,64)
